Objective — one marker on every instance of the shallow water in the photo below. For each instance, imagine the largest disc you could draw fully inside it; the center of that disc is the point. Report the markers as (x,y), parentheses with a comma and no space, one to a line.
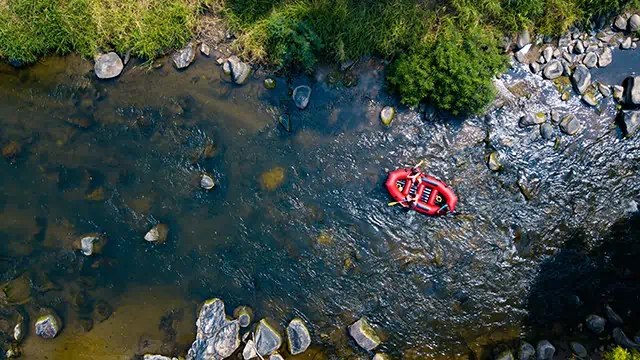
(120,156)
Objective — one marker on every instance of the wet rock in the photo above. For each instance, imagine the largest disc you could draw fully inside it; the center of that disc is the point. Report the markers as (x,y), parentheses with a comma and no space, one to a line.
(634,23)
(157,234)
(364,335)
(570,124)
(20,329)
(618,92)
(596,323)
(505,355)
(524,39)
(632,91)
(626,43)
(108,66)
(621,23)
(546,131)
(545,350)
(206,182)
(581,79)
(553,70)
(205,49)
(267,338)
(244,315)
(493,162)
(301,96)
(16,291)
(526,351)
(249,351)
(90,244)
(521,55)
(269,83)
(387,114)
(285,122)
(557,53)
(11,150)
(605,58)
(548,53)
(578,349)
(532,119)
(564,40)
(183,58)
(590,60)
(276,356)
(381,356)
(48,325)
(534,67)
(157,357)
(240,71)
(216,337)
(621,339)
(579,48)
(589,99)
(298,337)
(605,90)
(614,318)
(629,122)
(12,352)
(566,67)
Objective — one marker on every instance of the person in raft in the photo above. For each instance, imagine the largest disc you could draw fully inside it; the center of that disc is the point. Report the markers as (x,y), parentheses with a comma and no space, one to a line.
(416,178)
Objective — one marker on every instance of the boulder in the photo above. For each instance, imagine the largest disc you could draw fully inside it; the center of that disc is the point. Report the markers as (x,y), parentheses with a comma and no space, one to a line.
(108,66)
(267,339)
(596,323)
(48,325)
(493,162)
(578,349)
(564,40)
(546,131)
(553,70)
(589,99)
(621,339)
(526,351)
(629,122)
(244,315)
(570,124)
(387,114)
(205,49)
(157,234)
(249,351)
(590,60)
(618,92)
(301,96)
(534,67)
(521,55)
(581,79)
(216,336)
(621,23)
(505,355)
(298,337)
(157,357)
(634,23)
(364,335)
(532,119)
(523,39)
(381,356)
(239,70)
(206,182)
(90,244)
(184,57)
(605,58)
(579,48)
(632,91)
(626,43)
(547,53)
(545,350)
(605,90)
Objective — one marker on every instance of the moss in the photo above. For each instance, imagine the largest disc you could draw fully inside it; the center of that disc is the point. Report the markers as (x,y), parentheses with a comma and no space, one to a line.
(618,353)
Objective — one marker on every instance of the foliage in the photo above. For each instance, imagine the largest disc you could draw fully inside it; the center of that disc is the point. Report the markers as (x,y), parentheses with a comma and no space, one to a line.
(618,353)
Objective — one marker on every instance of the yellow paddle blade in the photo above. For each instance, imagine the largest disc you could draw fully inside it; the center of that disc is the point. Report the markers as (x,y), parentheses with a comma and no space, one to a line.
(394,203)
(420,163)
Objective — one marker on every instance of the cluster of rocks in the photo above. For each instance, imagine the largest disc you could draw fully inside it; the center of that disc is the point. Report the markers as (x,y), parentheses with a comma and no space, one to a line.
(597,324)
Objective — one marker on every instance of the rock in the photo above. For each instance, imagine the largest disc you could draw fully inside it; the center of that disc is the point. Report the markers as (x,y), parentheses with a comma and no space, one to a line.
(634,45)
(604,90)
(596,323)
(19,330)
(206,182)
(621,339)
(590,60)
(541,60)
(618,92)
(298,337)
(387,114)
(505,355)
(567,56)
(183,58)
(285,122)
(526,351)
(634,23)
(48,325)
(629,122)
(108,66)
(555,116)
(545,350)
(626,43)
(605,58)
(581,79)
(157,234)
(493,162)
(564,40)
(276,356)
(521,55)
(90,244)
(364,335)
(548,53)
(205,49)
(534,67)
(579,48)
(301,96)
(216,337)
(589,99)
(524,39)
(102,311)
(226,68)
(546,131)
(557,53)
(269,83)
(249,351)
(11,150)
(157,357)
(632,90)
(578,349)
(244,315)
(570,125)
(267,339)
(12,352)
(532,119)
(240,71)
(381,356)
(553,70)
(620,23)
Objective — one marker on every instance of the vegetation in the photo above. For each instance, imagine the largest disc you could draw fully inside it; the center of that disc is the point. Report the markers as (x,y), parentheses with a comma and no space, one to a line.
(618,353)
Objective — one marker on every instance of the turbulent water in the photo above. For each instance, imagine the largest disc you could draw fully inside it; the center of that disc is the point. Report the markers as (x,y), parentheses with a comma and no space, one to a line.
(298,223)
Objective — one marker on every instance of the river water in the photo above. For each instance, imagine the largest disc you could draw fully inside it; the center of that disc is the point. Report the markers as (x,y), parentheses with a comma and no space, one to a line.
(298,223)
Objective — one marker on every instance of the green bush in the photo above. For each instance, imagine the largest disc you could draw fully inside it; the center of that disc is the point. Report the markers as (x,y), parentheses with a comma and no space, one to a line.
(618,353)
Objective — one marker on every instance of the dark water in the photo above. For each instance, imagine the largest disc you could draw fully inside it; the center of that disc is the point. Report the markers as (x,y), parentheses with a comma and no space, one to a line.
(322,242)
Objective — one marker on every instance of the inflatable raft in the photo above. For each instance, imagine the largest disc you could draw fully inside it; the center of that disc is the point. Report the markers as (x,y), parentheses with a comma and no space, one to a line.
(434,196)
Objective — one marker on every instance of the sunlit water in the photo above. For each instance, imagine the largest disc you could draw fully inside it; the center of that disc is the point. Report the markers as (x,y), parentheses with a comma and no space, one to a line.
(322,244)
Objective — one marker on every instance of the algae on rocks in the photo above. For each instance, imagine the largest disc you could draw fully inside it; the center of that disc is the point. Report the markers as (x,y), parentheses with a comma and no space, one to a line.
(48,325)
(364,335)
(387,114)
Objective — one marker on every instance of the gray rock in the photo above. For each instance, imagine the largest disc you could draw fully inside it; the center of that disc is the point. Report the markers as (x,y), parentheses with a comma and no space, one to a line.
(526,351)
(570,125)
(618,92)
(579,48)
(548,53)
(553,70)
(581,79)
(545,350)
(267,339)
(564,40)
(546,131)
(566,68)
(108,66)
(91,244)
(249,351)
(621,339)
(626,43)
(632,90)
(301,96)
(596,323)
(269,83)
(523,39)
(621,23)
(605,58)
(239,70)
(244,315)
(534,67)
(493,162)
(605,90)
(567,56)
(276,356)
(205,49)
(158,234)
(364,335)
(48,325)
(532,119)
(629,122)
(634,23)
(157,357)
(216,336)
(541,60)
(589,99)
(298,337)
(381,356)
(557,53)
(387,114)
(285,121)
(206,182)
(184,57)
(578,349)
(505,355)
(521,55)
(614,318)
(590,60)
(555,116)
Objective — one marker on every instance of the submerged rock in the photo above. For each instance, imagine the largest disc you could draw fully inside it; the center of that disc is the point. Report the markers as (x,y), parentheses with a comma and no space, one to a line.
(578,349)
(240,71)
(387,114)
(546,131)
(267,338)
(632,91)
(364,335)
(298,337)
(532,119)
(285,122)
(605,58)
(206,182)
(11,150)
(493,162)
(183,58)
(621,339)
(553,70)
(581,79)
(12,352)
(48,325)
(545,350)
(301,96)
(269,83)
(216,337)
(596,323)
(244,315)
(157,234)
(570,125)
(526,351)
(90,244)
(108,66)
(629,122)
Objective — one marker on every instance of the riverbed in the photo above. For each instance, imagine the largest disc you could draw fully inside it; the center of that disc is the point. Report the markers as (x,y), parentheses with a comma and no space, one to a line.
(298,223)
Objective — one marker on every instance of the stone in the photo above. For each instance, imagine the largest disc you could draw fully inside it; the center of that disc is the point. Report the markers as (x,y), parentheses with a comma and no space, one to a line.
(567,56)
(206,182)
(19,330)
(524,39)
(244,315)
(184,57)
(589,99)
(634,23)
(555,116)
(564,40)
(541,60)
(590,60)
(557,53)
(546,131)
(276,356)
(526,351)
(364,335)
(226,68)
(493,162)
(12,352)
(620,23)
(596,323)
(285,122)
(553,70)
(381,356)
(618,92)
(298,337)
(239,70)
(157,234)
(626,43)
(269,83)
(605,90)
(301,96)
(629,121)
(521,55)
(570,124)
(547,53)
(216,336)
(545,350)
(505,355)
(387,114)
(579,48)
(205,49)
(157,357)
(632,91)
(581,79)
(48,325)
(249,351)
(534,67)
(532,119)
(90,244)
(578,349)
(108,66)
(267,338)
(621,339)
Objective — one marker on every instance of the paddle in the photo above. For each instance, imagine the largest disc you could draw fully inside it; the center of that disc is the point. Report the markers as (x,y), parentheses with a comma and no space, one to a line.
(396,202)
(418,165)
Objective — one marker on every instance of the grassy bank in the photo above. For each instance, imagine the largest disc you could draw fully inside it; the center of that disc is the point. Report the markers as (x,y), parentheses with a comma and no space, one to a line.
(443,51)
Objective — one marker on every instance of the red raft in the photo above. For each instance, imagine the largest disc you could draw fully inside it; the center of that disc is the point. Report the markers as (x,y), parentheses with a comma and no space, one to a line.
(434,196)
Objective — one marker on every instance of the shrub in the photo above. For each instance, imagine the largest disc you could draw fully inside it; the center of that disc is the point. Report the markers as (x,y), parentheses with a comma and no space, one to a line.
(618,353)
